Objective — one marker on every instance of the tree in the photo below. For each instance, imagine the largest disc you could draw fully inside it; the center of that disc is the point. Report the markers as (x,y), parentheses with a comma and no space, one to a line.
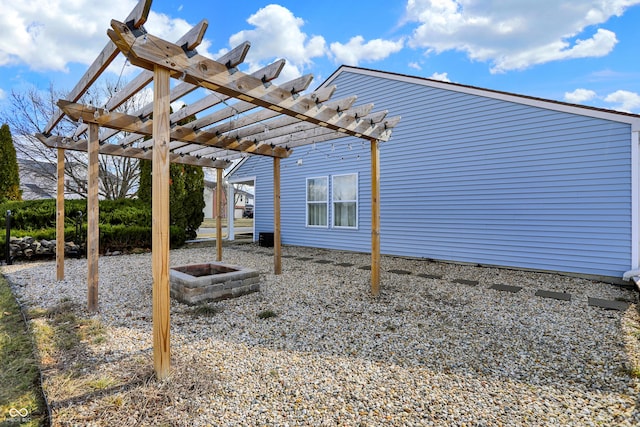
(186,195)
(9,177)
(28,112)
(186,192)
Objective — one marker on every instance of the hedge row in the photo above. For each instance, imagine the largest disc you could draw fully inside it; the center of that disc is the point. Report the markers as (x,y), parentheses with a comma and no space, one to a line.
(124,224)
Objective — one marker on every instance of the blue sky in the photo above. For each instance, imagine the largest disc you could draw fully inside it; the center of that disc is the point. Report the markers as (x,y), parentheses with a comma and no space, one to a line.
(580,51)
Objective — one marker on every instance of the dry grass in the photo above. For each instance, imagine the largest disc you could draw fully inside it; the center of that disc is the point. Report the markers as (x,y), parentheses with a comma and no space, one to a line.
(19,375)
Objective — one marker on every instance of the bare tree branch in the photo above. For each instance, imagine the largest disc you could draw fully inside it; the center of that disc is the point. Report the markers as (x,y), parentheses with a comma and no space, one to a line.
(27,114)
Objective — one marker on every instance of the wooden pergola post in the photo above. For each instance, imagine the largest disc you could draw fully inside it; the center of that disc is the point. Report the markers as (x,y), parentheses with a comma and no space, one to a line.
(60,217)
(231,211)
(93,239)
(206,142)
(219,214)
(375,218)
(160,229)
(277,252)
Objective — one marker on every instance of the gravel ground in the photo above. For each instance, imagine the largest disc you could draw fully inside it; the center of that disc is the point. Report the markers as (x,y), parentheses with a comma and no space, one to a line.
(428,351)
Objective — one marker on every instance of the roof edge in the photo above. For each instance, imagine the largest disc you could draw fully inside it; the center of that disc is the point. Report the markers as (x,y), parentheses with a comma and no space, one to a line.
(602,113)
(235,167)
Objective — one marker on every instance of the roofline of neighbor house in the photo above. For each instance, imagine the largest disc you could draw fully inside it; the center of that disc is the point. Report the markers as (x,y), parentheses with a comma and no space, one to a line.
(602,113)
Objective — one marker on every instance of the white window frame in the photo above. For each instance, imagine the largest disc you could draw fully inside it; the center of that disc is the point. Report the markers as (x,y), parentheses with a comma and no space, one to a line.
(334,201)
(307,202)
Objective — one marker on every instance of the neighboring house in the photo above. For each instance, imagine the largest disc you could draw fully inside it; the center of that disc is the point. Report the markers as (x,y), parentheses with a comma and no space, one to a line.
(242,199)
(470,175)
(36,182)
(33,182)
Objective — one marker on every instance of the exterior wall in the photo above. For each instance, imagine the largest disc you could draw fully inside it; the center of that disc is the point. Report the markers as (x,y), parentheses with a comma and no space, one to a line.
(210,202)
(474,179)
(293,196)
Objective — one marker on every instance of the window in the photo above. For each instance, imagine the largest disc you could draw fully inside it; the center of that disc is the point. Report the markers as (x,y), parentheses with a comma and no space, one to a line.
(317,202)
(345,201)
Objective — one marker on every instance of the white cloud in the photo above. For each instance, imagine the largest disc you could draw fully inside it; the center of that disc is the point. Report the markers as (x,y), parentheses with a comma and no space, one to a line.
(277,33)
(357,50)
(443,77)
(579,96)
(47,35)
(625,100)
(414,65)
(515,35)
(3,94)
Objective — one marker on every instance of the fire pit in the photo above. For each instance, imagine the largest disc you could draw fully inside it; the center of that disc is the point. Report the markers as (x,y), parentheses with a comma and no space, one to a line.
(196,283)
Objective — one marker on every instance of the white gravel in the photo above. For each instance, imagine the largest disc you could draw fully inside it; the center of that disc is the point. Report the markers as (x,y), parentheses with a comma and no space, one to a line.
(426,352)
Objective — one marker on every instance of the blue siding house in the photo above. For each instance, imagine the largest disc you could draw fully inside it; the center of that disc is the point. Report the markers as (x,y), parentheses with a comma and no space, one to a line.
(469,175)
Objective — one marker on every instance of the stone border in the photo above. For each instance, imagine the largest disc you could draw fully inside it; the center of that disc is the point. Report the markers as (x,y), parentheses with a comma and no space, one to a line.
(193,290)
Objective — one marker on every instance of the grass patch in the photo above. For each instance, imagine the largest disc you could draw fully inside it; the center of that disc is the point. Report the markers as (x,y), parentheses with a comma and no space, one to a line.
(102,383)
(266,314)
(59,330)
(20,393)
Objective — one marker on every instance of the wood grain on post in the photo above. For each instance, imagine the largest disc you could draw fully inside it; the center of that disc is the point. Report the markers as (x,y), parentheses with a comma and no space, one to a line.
(160,228)
(375,218)
(93,239)
(60,217)
(277,254)
(219,214)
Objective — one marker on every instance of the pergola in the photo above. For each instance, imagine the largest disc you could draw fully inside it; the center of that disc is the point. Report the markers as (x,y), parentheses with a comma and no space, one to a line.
(244,114)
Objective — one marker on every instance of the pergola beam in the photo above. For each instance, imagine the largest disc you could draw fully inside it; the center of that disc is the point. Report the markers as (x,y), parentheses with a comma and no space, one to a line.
(240,107)
(131,123)
(131,152)
(191,39)
(235,56)
(268,73)
(137,18)
(265,129)
(211,74)
(283,118)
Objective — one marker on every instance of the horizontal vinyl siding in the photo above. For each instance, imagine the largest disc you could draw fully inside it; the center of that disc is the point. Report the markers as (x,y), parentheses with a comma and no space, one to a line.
(473,179)
(293,196)
(492,182)
(293,180)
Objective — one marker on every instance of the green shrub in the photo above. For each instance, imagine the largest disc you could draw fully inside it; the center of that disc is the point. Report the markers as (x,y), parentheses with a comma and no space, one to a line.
(124,224)
(186,195)
(9,177)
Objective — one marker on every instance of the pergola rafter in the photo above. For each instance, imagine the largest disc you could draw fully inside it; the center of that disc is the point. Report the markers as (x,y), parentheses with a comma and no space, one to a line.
(244,114)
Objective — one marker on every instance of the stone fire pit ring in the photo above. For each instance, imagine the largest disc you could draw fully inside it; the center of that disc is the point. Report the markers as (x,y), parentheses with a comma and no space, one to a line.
(214,281)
